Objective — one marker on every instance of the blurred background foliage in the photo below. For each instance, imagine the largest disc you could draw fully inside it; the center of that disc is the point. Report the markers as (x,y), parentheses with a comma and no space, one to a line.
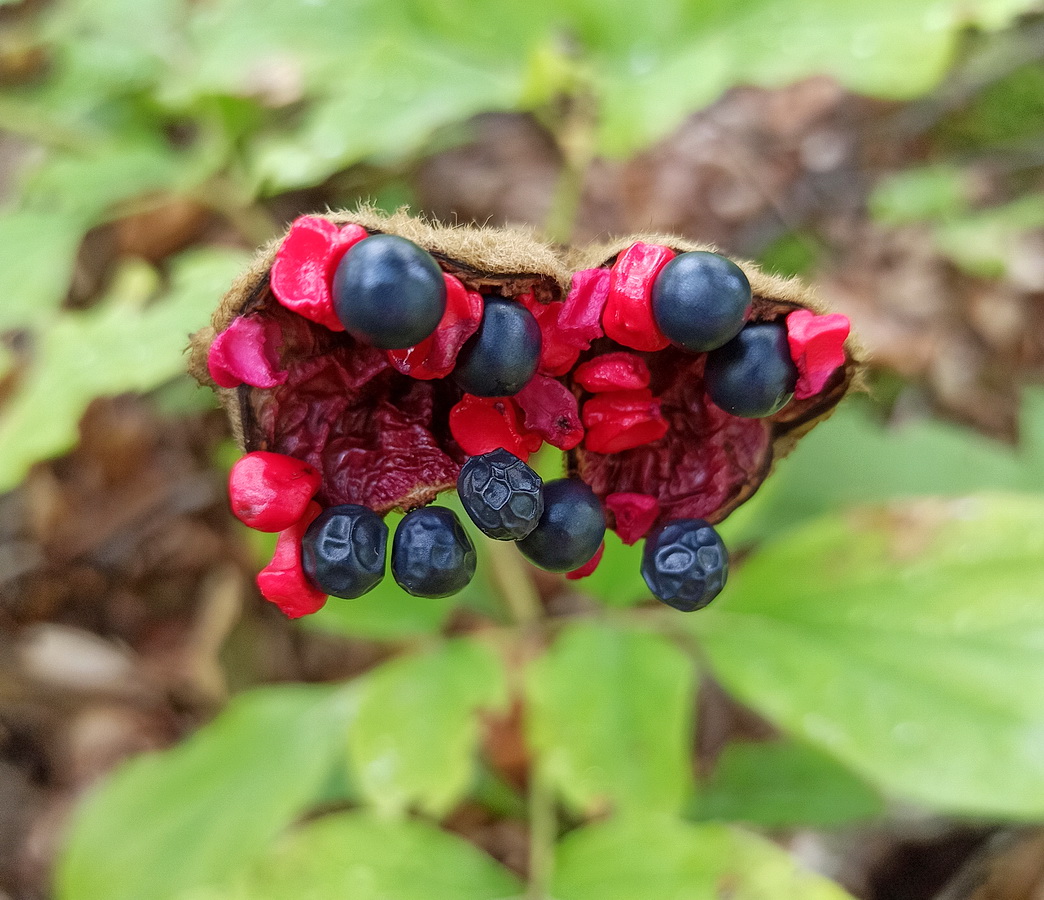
(869,692)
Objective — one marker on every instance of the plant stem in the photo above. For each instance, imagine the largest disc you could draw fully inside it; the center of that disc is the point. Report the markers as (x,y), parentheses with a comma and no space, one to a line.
(543,829)
(514,584)
(575,136)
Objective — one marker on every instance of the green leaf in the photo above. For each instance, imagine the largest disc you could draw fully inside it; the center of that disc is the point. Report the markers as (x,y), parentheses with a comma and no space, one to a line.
(618,579)
(414,740)
(197,814)
(120,345)
(358,856)
(610,718)
(983,243)
(905,641)
(854,459)
(783,783)
(917,195)
(662,857)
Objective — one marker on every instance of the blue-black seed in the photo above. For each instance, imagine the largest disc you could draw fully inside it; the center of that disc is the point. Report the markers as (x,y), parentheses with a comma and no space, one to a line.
(570,529)
(343,550)
(752,375)
(501,494)
(685,564)
(432,555)
(501,357)
(389,292)
(700,300)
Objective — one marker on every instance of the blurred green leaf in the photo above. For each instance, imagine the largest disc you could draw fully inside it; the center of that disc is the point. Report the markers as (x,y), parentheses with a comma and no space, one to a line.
(782,783)
(358,856)
(917,195)
(414,740)
(662,857)
(982,243)
(855,459)
(610,718)
(618,579)
(892,638)
(1007,112)
(196,815)
(120,345)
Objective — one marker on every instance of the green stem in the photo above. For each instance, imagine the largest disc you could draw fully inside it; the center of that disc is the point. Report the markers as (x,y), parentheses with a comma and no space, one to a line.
(543,828)
(575,136)
(514,584)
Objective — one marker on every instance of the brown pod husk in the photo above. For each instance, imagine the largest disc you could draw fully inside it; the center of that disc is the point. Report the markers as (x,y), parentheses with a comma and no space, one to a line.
(342,401)
(680,389)
(423,460)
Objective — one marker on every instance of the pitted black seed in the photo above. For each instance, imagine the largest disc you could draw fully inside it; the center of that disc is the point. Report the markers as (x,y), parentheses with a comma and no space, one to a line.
(685,564)
(432,555)
(343,550)
(501,494)
(570,530)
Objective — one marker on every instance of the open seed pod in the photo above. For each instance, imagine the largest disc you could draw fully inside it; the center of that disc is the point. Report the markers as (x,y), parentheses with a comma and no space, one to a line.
(351,423)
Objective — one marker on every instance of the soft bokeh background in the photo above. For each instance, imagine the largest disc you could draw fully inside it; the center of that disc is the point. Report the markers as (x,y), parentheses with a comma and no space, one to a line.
(866,700)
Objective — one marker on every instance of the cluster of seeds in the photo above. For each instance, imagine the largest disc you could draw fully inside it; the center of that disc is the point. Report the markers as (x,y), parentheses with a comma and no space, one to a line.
(379,375)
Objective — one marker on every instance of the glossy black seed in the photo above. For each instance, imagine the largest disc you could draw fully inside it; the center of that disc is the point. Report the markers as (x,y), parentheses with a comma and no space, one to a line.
(685,564)
(570,530)
(499,359)
(700,300)
(343,550)
(752,375)
(389,292)
(502,495)
(432,555)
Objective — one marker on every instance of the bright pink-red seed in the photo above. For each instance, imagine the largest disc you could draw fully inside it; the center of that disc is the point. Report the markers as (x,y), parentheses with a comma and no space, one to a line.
(481,424)
(620,371)
(247,353)
(304,266)
(588,567)
(550,410)
(283,581)
(270,491)
(622,420)
(435,356)
(817,346)
(628,317)
(634,514)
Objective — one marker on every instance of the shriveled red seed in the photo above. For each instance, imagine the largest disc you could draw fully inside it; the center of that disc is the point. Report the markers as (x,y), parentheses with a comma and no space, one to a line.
(634,514)
(568,327)
(304,266)
(622,420)
(588,567)
(247,353)
(270,491)
(550,410)
(613,372)
(628,317)
(817,346)
(481,424)
(435,356)
(283,581)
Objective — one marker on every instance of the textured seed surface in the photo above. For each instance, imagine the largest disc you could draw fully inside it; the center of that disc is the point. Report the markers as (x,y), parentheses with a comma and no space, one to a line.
(752,376)
(343,550)
(700,300)
(685,564)
(432,555)
(502,495)
(570,530)
(389,292)
(501,357)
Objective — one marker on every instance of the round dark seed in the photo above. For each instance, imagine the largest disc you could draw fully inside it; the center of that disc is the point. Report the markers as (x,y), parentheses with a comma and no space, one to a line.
(501,357)
(700,300)
(685,564)
(501,494)
(570,530)
(389,292)
(343,550)
(752,375)
(432,555)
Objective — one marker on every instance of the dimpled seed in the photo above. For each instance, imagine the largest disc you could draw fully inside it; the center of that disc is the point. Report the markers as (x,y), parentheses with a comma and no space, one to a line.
(432,555)
(570,530)
(685,564)
(389,292)
(700,300)
(501,494)
(752,376)
(502,356)
(343,550)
